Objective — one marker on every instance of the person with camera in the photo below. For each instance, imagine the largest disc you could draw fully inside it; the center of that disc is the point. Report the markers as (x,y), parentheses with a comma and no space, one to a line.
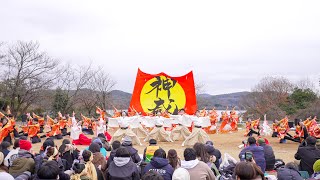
(252,151)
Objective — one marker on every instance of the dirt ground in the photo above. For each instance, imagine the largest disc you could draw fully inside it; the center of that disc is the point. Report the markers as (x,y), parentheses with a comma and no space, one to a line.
(226,143)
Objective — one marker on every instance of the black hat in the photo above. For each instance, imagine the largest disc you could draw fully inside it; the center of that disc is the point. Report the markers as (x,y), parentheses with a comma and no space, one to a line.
(152,141)
(210,150)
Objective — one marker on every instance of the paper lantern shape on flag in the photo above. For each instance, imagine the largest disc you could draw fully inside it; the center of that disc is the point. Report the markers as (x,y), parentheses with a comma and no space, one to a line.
(155,93)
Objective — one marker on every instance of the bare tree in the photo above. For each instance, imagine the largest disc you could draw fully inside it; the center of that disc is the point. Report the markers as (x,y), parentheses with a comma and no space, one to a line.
(267,97)
(73,80)
(103,86)
(27,71)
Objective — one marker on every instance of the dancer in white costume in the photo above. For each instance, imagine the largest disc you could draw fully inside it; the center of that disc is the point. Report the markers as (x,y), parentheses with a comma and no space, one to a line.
(123,131)
(197,135)
(180,132)
(101,128)
(75,129)
(139,130)
(158,132)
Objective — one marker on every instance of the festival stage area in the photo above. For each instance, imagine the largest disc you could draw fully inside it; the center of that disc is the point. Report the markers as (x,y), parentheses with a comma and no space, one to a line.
(226,143)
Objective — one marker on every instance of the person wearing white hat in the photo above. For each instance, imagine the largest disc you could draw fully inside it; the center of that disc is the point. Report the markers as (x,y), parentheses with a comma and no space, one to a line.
(181,174)
(197,135)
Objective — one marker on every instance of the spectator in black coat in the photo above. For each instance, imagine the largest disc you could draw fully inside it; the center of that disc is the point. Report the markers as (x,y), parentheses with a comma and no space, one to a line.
(127,143)
(122,167)
(115,145)
(308,154)
(268,154)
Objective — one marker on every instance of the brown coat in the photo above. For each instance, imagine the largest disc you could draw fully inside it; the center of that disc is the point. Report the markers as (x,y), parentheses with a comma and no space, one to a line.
(98,159)
(21,165)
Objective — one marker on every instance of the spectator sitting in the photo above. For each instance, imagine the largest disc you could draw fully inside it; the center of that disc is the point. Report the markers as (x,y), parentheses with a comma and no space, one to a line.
(197,169)
(122,166)
(181,174)
(308,155)
(160,164)
(316,170)
(201,152)
(268,154)
(258,153)
(48,142)
(173,158)
(79,172)
(13,154)
(98,160)
(149,151)
(248,170)
(49,170)
(115,145)
(4,148)
(212,160)
(102,149)
(152,175)
(289,172)
(104,141)
(24,161)
(68,152)
(127,143)
(216,153)
(92,172)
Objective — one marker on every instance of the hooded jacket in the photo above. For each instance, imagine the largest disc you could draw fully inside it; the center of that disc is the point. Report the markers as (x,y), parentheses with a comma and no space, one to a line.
(161,166)
(122,168)
(258,155)
(198,170)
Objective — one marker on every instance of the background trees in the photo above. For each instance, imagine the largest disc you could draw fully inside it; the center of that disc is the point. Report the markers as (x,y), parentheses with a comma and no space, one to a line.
(277,97)
(32,80)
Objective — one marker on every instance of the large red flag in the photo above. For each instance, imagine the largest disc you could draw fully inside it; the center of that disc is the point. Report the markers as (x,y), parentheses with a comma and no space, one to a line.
(159,92)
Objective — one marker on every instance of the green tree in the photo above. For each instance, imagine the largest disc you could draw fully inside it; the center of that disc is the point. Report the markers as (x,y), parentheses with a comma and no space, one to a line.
(60,101)
(299,99)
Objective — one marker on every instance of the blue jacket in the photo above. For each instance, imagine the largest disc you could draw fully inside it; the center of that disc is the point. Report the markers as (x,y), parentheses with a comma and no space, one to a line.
(258,155)
(161,166)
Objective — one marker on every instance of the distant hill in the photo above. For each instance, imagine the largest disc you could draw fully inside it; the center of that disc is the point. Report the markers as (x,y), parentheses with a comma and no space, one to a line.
(121,100)
(221,101)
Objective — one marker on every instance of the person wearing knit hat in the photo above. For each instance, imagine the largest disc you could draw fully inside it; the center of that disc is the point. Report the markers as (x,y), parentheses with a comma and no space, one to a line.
(316,169)
(181,174)
(24,161)
(25,145)
(127,143)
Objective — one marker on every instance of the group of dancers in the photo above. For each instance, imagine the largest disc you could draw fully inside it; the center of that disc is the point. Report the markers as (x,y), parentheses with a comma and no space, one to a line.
(281,129)
(165,127)
(303,129)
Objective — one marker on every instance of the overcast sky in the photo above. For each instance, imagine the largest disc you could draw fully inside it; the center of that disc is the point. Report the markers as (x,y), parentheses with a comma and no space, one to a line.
(229,45)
